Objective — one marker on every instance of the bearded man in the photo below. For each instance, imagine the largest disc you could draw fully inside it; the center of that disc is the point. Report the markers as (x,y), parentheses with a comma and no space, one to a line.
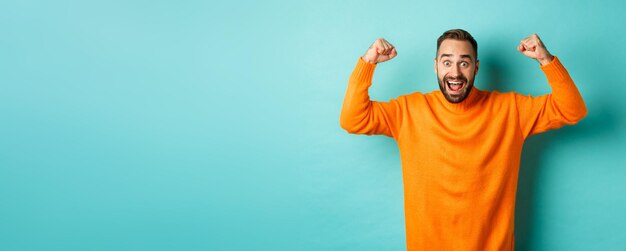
(460,147)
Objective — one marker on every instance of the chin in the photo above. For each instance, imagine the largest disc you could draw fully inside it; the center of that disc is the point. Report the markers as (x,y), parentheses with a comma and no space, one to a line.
(458,95)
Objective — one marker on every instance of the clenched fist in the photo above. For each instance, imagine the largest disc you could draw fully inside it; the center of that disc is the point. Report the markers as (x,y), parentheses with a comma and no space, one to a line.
(379,52)
(533,48)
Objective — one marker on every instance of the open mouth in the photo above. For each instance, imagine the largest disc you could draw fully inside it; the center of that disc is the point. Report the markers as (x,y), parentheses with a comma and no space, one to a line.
(455,86)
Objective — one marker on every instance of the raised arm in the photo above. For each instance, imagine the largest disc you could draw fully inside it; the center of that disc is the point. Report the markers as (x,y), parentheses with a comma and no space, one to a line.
(359,114)
(563,106)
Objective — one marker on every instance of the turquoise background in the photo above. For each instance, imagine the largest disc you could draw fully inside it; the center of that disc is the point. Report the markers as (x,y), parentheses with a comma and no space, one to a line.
(206,125)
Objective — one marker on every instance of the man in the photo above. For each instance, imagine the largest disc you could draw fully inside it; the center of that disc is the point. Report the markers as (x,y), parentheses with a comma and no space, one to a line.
(460,147)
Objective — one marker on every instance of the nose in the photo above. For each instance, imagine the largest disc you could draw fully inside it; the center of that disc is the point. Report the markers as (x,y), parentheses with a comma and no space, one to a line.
(455,71)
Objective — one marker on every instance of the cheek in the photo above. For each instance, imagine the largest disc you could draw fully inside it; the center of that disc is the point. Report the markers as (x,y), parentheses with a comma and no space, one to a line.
(441,76)
(441,72)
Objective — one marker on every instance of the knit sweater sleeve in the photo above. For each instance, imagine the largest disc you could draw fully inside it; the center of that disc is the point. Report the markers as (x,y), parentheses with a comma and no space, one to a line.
(359,114)
(563,106)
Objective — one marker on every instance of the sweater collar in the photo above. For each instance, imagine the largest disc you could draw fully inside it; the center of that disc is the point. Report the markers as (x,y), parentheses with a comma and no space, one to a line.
(465,105)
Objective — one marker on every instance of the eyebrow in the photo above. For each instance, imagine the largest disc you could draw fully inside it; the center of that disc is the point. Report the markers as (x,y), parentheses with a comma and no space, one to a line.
(462,56)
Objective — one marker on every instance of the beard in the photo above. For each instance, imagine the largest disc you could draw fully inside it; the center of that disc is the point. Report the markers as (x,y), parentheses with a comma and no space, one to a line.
(458,96)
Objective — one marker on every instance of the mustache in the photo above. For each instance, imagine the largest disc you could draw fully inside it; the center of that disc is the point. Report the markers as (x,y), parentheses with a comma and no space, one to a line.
(457,78)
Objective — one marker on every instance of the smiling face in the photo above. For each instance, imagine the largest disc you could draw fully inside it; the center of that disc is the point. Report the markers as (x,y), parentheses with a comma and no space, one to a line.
(456,67)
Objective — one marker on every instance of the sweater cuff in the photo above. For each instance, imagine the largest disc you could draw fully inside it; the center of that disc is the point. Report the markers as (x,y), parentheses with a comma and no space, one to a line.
(363,72)
(555,71)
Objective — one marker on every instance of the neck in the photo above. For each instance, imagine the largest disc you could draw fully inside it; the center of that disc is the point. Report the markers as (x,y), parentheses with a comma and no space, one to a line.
(467,104)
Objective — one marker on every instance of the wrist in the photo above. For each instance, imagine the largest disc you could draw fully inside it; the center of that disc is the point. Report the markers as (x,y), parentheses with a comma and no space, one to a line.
(367,60)
(546,60)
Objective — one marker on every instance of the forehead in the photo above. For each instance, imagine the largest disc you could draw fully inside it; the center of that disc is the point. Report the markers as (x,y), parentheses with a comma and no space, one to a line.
(456,48)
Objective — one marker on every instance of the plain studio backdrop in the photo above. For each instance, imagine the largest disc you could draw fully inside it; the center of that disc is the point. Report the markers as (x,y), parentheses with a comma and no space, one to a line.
(214,125)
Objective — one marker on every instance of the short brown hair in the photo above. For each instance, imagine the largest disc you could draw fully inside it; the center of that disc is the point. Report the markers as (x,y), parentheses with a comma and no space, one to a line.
(458,34)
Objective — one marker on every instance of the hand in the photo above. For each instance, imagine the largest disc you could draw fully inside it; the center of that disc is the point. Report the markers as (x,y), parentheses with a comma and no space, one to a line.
(533,48)
(379,52)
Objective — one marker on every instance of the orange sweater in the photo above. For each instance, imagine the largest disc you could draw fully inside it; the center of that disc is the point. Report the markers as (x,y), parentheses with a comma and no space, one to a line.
(460,161)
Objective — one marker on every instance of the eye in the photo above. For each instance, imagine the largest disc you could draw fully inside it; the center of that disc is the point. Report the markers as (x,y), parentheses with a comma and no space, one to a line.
(446,63)
(464,64)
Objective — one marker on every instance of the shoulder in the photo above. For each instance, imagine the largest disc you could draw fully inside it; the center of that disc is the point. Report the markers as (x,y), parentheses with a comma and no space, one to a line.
(499,100)
(510,99)
(410,101)
(502,96)
(412,97)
